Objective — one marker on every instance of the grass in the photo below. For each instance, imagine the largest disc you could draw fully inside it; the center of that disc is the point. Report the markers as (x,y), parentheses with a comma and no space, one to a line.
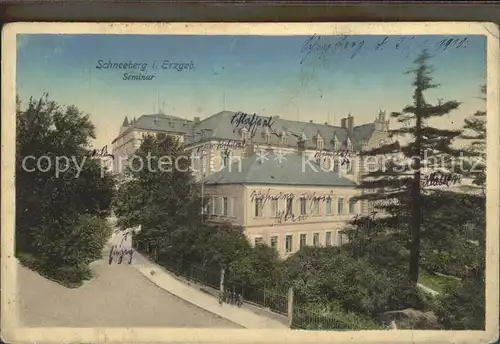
(435,282)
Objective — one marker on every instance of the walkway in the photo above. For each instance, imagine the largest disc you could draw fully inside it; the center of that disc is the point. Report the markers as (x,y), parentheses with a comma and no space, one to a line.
(166,281)
(118,296)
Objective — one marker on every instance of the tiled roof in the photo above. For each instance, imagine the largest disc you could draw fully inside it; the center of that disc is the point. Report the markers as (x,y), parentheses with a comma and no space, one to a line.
(293,170)
(219,126)
(159,122)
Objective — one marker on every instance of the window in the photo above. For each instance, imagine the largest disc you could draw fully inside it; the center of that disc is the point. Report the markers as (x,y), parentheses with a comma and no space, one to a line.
(289,206)
(303,240)
(316,239)
(244,132)
(216,206)
(210,209)
(328,239)
(224,157)
(231,209)
(268,138)
(224,206)
(320,144)
(316,206)
(342,238)
(258,241)
(288,243)
(328,206)
(340,206)
(303,206)
(274,242)
(284,139)
(274,208)
(258,207)
(352,207)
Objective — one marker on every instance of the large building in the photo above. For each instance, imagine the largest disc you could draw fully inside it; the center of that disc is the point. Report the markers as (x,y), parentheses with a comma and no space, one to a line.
(132,132)
(288,183)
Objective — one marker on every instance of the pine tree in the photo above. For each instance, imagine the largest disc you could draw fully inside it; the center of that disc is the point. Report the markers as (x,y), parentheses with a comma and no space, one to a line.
(475,130)
(398,183)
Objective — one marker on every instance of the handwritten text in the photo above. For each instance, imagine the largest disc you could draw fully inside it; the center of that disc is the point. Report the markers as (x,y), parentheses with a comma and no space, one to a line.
(321,46)
(283,216)
(120,253)
(252,122)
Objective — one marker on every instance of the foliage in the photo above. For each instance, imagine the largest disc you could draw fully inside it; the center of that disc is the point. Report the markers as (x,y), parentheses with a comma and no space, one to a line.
(330,317)
(159,193)
(475,132)
(438,283)
(60,233)
(426,145)
(259,266)
(326,275)
(463,308)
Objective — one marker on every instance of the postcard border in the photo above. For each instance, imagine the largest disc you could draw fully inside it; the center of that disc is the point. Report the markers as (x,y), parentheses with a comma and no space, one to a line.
(13,332)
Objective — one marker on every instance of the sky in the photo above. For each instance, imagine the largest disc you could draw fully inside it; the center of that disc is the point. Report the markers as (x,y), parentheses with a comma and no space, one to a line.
(318,78)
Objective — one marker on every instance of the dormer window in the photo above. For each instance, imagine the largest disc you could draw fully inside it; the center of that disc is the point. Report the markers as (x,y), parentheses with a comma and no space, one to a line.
(349,145)
(244,133)
(284,138)
(320,144)
(267,135)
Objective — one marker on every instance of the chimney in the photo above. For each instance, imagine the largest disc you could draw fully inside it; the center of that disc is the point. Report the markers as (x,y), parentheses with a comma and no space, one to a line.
(350,123)
(342,123)
(196,120)
(310,121)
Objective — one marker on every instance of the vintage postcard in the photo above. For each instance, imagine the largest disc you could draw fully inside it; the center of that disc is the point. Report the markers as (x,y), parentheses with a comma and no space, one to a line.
(246,182)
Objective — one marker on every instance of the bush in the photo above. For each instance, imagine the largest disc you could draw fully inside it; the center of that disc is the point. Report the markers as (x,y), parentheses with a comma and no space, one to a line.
(66,258)
(331,317)
(463,308)
(326,275)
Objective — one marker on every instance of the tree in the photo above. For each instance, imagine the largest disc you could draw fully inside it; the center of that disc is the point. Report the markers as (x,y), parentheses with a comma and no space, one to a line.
(475,131)
(57,232)
(258,267)
(398,183)
(159,193)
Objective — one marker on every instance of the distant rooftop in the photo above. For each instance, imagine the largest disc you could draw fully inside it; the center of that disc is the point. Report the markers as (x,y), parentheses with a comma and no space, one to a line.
(157,122)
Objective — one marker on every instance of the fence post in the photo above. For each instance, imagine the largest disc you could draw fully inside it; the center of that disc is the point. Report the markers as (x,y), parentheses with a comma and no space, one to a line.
(221,284)
(290,306)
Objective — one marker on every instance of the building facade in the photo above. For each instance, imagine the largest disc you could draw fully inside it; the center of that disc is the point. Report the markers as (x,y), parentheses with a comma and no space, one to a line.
(133,132)
(288,183)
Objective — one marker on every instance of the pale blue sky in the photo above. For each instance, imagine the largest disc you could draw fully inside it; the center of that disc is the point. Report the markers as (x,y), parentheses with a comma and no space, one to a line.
(261,74)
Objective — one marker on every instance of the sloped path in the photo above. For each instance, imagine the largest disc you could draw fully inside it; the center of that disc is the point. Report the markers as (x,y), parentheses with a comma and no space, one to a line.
(118,296)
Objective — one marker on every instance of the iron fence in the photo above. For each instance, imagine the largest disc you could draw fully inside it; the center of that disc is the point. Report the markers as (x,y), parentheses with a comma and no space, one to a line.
(273,299)
(305,319)
(269,298)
